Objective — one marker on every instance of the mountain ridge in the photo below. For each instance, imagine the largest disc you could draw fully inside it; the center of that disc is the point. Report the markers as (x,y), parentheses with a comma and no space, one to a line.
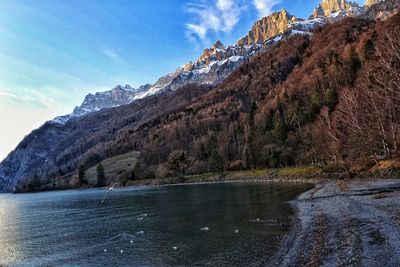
(215,63)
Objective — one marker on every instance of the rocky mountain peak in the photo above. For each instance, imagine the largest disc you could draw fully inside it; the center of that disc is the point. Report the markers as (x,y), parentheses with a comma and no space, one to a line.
(218,44)
(217,49)
(329,7)
(268,27)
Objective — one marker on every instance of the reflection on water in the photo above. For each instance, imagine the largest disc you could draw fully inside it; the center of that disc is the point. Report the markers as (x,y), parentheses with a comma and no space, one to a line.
(147,226)
(10,229)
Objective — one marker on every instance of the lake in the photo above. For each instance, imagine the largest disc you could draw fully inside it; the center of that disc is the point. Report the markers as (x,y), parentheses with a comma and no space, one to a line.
(225,224)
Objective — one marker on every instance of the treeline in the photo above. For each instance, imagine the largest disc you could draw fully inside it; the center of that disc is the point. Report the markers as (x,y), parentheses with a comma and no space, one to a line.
(79,180)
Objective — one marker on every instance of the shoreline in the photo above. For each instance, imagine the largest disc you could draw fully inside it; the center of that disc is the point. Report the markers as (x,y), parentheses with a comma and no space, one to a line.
(338,222)
(342,223)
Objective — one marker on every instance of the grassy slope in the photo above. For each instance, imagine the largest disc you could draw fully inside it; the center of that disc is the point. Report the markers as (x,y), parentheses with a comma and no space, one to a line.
(114,167)
(233,175)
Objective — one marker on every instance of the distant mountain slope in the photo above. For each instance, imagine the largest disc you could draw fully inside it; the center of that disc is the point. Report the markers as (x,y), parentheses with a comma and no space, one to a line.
(102,100)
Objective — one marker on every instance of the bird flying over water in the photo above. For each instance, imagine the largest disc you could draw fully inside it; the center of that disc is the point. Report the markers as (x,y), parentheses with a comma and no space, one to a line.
(111,188)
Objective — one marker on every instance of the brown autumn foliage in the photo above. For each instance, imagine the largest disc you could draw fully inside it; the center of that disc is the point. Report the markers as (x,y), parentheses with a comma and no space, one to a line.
(332,98)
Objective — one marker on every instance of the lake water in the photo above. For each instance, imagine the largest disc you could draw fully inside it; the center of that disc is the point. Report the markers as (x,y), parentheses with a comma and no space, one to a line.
(149,226)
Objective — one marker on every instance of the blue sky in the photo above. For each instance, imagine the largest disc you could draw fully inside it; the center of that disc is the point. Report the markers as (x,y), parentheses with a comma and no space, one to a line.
(54,52)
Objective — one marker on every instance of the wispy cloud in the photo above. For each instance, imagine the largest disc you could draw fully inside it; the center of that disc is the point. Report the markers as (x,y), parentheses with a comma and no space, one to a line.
(212,16)
(264,7)
(5,94)
(110,53)
(41,99)
(30,97)
(220,16)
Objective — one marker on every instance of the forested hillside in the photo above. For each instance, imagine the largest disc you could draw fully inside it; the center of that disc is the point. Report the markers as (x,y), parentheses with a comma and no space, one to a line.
(333,97)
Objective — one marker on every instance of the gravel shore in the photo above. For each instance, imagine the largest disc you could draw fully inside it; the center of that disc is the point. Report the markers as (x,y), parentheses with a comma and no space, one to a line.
(345,223)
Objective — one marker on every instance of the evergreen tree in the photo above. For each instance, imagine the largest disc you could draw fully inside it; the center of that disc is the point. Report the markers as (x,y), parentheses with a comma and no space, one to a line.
(269,124)
(35,183)
(331,99)
(135,172)
(101,178)
(354,65)
(251,137)
(369,50)
(252,113)
(178,163)
(215,162)
(246,158)
(82,175)
(275,161)
(314,108)
(280,131)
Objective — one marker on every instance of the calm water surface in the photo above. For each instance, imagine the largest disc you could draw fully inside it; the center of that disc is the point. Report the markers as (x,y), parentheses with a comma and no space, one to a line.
(141,226)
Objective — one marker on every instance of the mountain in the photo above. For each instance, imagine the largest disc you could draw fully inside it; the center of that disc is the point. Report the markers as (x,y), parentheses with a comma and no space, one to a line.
(219,61)
(278,78)
(268,27)
(211,68)
(101,100)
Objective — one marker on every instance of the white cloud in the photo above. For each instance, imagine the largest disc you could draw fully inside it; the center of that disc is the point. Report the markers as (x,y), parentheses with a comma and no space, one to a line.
(41,99)
(264,7)
(110,53)
(29,97)
(5,94)
(220,16)
(212,16)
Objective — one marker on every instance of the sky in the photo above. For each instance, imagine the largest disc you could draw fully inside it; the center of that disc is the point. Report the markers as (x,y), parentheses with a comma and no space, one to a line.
(54,52)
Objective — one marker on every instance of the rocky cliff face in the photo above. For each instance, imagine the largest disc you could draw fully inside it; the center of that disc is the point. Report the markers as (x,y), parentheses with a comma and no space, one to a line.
(117,96)
(267,28)
(332,8)
(32,154)
(381,10)
(369,3)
